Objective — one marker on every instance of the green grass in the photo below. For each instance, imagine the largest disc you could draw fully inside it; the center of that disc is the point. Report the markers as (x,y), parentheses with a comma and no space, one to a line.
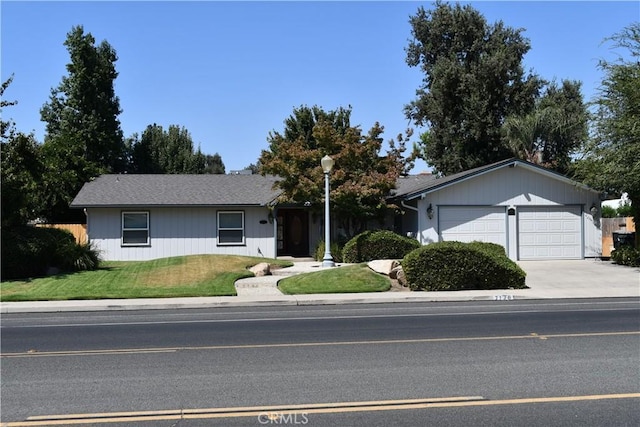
(352,278)
(190,276)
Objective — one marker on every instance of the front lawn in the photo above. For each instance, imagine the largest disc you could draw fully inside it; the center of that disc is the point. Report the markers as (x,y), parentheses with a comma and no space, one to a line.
(190,276)
(352,278)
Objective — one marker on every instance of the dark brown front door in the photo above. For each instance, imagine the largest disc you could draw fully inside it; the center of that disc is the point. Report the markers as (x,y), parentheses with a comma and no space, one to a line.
(293,232)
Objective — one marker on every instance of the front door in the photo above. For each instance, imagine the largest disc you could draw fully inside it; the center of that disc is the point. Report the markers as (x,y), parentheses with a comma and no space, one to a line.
(293,232)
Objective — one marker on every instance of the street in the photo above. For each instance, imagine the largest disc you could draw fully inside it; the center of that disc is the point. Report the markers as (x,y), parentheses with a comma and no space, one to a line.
(554,362)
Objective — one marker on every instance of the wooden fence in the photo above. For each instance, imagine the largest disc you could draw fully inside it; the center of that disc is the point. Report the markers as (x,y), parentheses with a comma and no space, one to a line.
(79,231)
(614,225)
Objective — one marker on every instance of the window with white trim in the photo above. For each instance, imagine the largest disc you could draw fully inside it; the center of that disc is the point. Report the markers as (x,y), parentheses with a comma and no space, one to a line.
(230,228)
(135,228)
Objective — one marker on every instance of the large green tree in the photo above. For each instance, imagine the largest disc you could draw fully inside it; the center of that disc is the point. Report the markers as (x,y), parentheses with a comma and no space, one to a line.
(170,151)
(20,169)
(473,80)
(611,159)
(83,135)
(554,130)
(361,179)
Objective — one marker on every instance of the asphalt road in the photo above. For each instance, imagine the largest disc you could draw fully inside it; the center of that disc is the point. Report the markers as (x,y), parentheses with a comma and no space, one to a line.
(478,363)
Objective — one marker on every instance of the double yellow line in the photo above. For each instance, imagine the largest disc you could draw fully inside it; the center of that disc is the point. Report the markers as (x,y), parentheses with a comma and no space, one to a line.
(285,411)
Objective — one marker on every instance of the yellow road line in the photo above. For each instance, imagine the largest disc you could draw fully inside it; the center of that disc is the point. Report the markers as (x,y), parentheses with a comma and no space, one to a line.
(35,353)
(306,409)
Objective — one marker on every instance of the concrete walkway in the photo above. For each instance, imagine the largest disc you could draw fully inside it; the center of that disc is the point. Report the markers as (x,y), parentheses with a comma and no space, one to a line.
(546,279)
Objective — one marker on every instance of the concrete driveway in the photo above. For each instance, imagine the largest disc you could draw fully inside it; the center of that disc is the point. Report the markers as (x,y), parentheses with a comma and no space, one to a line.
(581,278)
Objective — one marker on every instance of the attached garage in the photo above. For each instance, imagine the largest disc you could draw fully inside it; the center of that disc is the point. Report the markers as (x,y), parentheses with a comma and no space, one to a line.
(534,212)
(549,233)
(473,223)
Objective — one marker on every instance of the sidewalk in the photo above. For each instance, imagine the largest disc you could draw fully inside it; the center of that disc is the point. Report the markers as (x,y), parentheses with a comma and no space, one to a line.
(546,280)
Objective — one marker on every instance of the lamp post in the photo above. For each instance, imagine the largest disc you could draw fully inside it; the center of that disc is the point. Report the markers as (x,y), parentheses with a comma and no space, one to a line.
(327,260)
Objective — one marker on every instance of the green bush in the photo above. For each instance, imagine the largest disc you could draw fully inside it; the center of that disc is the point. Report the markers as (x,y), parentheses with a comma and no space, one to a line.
(381,244)
(626,255)
(32,252)
(336,251)
(452,266)
(608,212)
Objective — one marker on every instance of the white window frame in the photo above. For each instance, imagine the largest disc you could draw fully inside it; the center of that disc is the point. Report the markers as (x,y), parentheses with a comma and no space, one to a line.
(123,229)
(240,243)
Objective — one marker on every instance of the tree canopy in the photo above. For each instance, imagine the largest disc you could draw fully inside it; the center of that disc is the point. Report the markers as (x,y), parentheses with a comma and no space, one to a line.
(611,159)
(361,179)
(21,169)
(170,151)
(83,136)
(473,80)
(554,130)
(83,110)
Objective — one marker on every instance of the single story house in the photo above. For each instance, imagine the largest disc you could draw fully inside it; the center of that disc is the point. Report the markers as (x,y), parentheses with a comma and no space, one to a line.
(142,217)
(533,212)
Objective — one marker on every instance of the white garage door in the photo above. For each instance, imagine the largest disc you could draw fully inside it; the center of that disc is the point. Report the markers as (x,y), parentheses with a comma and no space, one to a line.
(549,233)
(468,224)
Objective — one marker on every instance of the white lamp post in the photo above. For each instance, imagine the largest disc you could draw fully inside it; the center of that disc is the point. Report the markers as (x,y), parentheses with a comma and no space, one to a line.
(327,165)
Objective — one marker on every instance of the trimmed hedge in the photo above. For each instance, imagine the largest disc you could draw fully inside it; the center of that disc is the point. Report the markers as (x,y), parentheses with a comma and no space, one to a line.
(452,266)
(381,244)
(32,252)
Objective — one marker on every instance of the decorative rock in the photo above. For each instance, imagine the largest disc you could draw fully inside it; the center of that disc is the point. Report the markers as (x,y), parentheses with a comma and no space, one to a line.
(393,274)
(261,269)
(401,278)
(383,266)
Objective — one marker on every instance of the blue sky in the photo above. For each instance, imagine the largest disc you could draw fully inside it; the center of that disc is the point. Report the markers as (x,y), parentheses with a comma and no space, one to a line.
(231,72)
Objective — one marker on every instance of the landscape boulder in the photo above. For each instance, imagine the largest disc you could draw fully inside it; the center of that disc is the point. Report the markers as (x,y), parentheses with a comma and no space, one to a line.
(262,269)
(383,266)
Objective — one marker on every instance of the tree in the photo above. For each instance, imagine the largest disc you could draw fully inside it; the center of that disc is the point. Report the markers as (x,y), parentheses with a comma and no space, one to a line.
(474,79)
(84,109)
(611,158)
(20,169)
(21,173)
(213,164)
(361,179)
(170,151)
(83,136)
(553,131)
(6,125)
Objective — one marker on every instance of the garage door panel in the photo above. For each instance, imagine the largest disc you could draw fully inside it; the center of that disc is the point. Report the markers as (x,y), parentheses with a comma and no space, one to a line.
(549,232)
(468,224)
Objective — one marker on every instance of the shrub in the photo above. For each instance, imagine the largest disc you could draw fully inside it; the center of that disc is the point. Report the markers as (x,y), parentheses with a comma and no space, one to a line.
(608,212)
(336,251)
(31,252)
(450,266)
(626,255)
(79,257)
(381,244)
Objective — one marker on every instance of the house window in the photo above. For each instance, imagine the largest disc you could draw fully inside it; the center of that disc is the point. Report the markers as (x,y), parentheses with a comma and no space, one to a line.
(135,228)
(231,228)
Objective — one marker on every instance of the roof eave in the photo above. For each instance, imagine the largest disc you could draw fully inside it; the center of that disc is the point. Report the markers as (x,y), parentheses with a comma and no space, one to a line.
(491,168)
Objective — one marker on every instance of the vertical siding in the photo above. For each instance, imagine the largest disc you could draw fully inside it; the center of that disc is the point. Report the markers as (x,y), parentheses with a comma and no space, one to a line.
(179,231)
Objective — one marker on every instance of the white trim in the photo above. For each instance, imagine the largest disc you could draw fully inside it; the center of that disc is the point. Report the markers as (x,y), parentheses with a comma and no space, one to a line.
(147,228)
(242,229)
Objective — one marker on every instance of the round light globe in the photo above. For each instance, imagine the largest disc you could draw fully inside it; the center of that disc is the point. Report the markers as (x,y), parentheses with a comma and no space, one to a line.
(327,164)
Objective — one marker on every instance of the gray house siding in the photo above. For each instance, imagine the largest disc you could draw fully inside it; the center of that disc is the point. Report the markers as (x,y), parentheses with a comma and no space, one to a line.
(179,231)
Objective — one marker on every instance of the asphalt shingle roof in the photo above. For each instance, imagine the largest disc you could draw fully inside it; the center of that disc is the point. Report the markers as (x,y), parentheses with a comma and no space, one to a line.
(176,190)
